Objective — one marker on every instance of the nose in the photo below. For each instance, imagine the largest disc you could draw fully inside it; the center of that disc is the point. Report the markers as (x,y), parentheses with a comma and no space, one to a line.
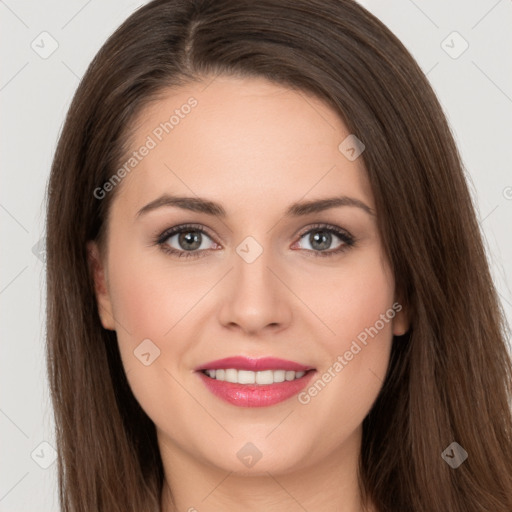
(255,298)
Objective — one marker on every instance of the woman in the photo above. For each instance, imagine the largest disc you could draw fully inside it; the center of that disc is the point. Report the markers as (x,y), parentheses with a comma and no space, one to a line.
(267,289)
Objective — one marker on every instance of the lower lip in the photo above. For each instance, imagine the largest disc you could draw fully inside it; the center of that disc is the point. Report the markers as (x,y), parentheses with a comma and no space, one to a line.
(254,395)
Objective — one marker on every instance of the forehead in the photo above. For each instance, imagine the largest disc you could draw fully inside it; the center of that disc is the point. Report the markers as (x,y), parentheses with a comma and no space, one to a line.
(242,142)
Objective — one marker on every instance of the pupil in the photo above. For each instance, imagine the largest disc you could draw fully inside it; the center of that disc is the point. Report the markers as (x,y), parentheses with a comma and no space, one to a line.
(189,238)
(323,238)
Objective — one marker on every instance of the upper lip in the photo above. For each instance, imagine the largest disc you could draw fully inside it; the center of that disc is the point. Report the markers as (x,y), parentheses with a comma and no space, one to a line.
(260,364)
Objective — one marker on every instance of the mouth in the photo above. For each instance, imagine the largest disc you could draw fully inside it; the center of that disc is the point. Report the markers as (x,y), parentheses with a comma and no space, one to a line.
(246,382)
(261,378)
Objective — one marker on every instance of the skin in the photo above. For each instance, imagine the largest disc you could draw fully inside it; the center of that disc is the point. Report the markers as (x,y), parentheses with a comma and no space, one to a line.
(255,148)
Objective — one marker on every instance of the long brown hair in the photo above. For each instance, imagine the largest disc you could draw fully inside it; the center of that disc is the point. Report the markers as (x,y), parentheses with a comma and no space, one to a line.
(449,378)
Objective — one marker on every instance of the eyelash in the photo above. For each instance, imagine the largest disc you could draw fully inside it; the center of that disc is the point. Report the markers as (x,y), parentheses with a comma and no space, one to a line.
(347,239)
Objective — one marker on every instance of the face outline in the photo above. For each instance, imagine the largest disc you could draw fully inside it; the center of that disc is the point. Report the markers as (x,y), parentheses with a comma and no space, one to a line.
(287,303)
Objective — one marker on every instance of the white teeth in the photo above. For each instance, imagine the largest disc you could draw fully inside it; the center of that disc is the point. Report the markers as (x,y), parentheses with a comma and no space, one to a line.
(231,375)
(279,375)
(264,377)
(246,377)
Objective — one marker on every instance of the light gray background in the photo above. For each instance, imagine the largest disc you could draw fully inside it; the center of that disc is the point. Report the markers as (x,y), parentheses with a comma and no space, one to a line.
(475,90)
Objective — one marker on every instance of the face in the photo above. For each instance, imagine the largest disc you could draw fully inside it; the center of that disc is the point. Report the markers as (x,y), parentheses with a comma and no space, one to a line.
(291,292)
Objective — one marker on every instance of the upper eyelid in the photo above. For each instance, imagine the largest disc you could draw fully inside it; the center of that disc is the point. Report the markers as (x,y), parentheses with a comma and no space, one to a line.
(323,225)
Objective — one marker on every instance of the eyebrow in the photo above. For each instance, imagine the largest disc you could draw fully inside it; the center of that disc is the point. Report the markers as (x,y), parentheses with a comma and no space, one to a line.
(198,204)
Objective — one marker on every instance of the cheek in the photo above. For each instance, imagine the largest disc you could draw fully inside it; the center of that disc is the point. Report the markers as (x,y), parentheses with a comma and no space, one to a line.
(148,302)
(351,298)
(149,296)
(356,306)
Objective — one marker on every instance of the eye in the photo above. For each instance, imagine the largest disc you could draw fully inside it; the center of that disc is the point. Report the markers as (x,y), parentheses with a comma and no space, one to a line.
(191,241)
(185,241)
(321,237)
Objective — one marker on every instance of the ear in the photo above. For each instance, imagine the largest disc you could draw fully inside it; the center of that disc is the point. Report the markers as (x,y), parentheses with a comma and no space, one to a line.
(401,321)
(97,270)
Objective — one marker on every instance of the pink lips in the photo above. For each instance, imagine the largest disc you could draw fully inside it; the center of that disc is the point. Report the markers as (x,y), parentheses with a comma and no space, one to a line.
(255,395)
(255,365)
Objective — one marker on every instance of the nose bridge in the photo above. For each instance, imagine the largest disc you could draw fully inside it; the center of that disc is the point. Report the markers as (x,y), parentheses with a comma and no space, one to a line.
(252,261)
(254,299)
